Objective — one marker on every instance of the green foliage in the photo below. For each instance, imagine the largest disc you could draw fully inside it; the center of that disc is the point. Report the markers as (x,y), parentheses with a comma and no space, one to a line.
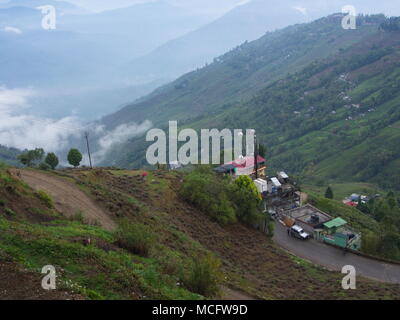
(78,216)
(44,166)
(43,196)
(8,156)
(247,199)
(391,24)
(329,193)
(271,229)
(370,243)
(205,276)
(210,194)
(74,157)
(332,114)
(51,160)
(32,157)
(136,238)
(379,223)
(262,150)
(9,212)
(222,200)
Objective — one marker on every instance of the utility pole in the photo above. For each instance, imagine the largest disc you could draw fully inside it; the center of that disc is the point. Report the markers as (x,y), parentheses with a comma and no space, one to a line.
(88,149)
(256,156)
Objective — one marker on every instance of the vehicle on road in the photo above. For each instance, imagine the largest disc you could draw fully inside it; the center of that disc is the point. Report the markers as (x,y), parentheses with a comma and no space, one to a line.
(298,232)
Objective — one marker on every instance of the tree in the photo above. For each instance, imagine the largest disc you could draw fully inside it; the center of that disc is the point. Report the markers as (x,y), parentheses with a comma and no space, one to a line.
(31,157)
(247,199)
(51,160)
(262,151)
(329,193)
(74,157)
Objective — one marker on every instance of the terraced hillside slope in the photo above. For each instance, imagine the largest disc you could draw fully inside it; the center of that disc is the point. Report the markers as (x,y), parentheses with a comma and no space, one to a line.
(323,100)
(95,263)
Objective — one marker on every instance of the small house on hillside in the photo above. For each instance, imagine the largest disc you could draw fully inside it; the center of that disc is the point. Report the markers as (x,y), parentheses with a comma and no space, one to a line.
(325,228)
(338,233)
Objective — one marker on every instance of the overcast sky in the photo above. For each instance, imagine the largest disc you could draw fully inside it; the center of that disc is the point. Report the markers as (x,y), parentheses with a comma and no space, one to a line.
(212,7)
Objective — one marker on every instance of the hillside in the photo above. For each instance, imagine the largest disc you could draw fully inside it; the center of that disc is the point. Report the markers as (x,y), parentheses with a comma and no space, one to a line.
(9,155)
(317,95)
(242,72)
(94,263)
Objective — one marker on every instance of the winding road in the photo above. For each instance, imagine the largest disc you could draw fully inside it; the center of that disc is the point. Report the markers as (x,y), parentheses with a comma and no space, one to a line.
(335,259)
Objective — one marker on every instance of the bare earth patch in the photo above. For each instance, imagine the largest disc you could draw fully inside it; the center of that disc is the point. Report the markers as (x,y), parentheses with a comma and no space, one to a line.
(68,199)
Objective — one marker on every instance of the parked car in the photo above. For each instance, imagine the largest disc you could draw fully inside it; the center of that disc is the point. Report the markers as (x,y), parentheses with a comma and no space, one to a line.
(298,232)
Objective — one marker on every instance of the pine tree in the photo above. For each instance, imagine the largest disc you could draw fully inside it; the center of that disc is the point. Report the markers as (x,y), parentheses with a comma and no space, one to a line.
(329,193)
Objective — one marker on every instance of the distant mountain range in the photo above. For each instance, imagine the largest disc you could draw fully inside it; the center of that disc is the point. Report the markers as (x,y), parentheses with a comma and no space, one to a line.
(80,59)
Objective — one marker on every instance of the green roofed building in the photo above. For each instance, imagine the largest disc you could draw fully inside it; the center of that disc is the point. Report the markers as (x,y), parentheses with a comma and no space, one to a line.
(338,233)
(334,224)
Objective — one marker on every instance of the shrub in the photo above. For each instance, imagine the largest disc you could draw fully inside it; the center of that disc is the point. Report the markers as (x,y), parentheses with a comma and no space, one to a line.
(78,216)
(51,160)
(9,212)
(31,157)
(44,166)
(271,229)
(247,199)
(45,198)
(207,192)
(136,238)
(204,276)
(171,263)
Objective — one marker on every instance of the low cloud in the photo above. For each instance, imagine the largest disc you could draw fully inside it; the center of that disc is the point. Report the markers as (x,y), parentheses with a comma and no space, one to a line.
(23,131)
(12,30)
(119,135)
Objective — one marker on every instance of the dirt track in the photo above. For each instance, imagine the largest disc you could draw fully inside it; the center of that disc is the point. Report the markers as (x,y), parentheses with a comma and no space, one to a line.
(68,199)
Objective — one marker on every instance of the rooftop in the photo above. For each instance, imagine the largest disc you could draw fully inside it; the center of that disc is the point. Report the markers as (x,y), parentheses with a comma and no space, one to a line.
(335,223)
(308,214)
(246,162)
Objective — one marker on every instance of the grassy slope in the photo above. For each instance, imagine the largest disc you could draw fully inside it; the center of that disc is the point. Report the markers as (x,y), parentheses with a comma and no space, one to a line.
(35,235)
(315,144)
(241,73)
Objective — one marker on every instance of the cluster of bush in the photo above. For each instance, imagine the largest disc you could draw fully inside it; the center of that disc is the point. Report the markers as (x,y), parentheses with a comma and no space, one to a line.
(386,211)
(224,200)
(34,158)
(391,24)
(201,275)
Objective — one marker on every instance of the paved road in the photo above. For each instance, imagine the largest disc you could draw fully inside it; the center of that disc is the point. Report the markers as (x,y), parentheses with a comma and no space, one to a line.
(334,259)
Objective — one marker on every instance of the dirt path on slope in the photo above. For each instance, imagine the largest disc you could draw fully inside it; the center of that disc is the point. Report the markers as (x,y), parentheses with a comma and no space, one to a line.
(68,199)
(231,294)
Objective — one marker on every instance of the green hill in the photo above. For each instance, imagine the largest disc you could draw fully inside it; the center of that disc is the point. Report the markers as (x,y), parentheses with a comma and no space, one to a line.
(324,100)
(161,247)
(9,155)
